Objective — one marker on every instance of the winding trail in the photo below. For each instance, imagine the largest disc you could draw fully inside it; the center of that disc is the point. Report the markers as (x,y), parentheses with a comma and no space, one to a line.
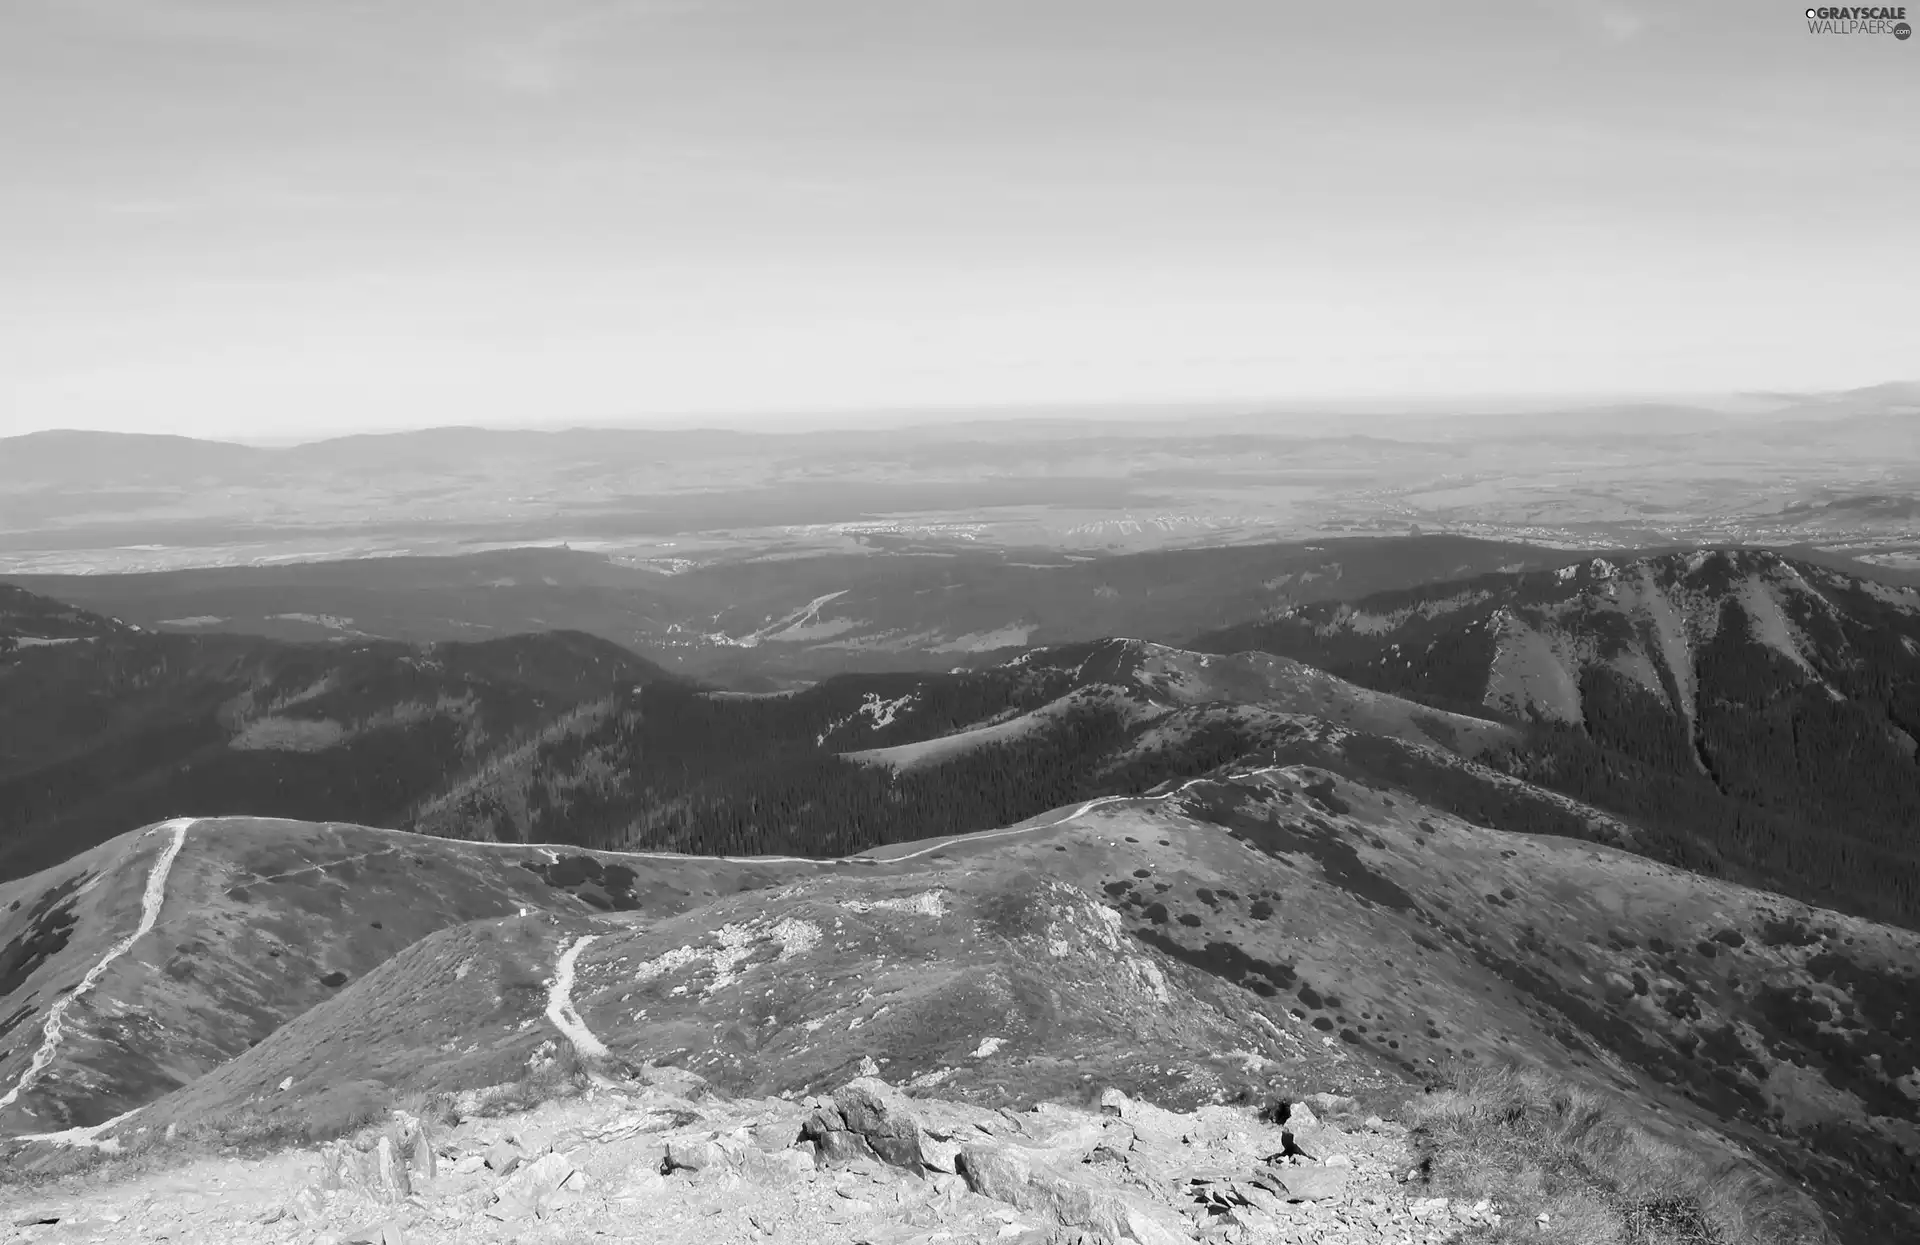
(150,902)
(560,1004)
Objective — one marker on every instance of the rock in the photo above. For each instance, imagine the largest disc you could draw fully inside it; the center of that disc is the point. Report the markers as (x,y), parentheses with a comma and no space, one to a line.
(779,1133)
(694,1154)
(1297,1115)
(868,1067)
(1313,1184)
(388,1233)
(307,1207)
(885,1117)
(938,1155)
(538,1188)
(842,1146)
(776,1167)
(1020,1179)
(822,1117)
(468,1164)
(380,1175)
(390,1170)
(1115,1103)
(502,1157)
(421,1160)
(1332,1104)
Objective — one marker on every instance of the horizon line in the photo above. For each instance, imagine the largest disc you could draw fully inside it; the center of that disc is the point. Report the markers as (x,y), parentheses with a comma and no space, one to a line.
(765,423)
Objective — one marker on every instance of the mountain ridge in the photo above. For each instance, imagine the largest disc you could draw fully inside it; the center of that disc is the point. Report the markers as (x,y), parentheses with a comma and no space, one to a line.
(1740,703)
(1350,916)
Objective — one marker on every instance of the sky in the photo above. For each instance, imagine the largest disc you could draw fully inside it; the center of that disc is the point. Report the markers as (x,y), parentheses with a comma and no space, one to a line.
(274,218)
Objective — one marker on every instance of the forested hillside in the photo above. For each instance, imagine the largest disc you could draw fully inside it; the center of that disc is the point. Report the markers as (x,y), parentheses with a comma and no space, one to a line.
(1755,714)
(117,727)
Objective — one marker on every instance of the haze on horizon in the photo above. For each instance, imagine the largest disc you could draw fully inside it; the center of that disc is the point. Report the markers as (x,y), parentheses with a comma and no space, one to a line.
(269,219)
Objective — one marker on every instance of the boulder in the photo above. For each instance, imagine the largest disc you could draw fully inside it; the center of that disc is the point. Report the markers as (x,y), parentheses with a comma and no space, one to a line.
(843,1146)
(779,1133)
(885,1118)
(1024,1180)
(822,1118)
(694,1154)
(939,1155)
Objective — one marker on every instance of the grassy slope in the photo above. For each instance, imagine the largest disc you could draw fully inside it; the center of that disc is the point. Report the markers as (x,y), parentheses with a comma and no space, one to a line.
(262,921)
(1410,943)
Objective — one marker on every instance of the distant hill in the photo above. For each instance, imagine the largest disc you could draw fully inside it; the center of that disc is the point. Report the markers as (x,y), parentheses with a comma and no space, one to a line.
(562,738)
(1756,714)
(864,760)
(103,725)
(764,622)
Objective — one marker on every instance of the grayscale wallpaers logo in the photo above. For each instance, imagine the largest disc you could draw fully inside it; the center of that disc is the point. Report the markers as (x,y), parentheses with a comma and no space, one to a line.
(1859,20)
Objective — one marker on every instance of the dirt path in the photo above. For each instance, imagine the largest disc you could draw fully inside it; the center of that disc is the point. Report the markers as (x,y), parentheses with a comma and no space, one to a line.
(560,1010)
(150,902)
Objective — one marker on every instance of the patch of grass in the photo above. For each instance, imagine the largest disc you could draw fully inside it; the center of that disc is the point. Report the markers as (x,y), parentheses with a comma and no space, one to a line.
(248,1132)
(1536,1145)
(561,1075)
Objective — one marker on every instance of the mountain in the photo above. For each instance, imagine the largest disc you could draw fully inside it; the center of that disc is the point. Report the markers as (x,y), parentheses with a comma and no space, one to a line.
(1756,715)
(764,622)
(1269,930)
(863,760)
(31,621)
(103,724)
(561,738)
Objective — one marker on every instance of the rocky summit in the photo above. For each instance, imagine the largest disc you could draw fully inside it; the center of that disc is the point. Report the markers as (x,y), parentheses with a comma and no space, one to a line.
(666,1158)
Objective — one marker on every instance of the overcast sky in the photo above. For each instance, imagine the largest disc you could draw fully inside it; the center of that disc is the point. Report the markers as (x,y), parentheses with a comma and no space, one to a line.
(281,217)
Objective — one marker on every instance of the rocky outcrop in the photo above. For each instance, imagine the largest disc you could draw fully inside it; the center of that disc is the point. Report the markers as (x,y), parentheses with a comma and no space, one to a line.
(869,1163)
